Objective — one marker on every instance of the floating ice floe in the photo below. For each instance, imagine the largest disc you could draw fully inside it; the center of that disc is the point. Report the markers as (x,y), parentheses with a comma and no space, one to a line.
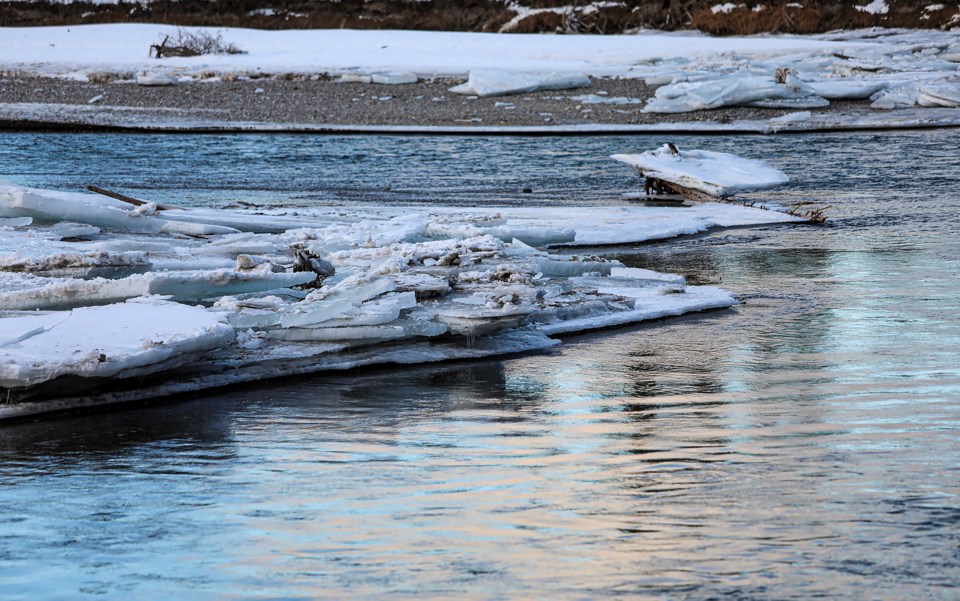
(717,174)
(136,312)
(497,82)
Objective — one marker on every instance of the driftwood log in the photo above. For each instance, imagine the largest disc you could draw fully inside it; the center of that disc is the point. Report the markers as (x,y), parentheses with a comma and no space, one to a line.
(127,199)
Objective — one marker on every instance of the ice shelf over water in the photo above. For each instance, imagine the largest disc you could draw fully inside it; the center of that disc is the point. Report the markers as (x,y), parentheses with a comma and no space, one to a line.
(718,174)
(133,307)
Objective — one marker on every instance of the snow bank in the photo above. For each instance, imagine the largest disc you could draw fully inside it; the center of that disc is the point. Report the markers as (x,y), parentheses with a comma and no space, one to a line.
(78,50)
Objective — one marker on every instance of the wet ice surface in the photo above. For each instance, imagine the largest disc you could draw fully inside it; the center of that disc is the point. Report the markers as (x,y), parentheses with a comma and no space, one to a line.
(802,444)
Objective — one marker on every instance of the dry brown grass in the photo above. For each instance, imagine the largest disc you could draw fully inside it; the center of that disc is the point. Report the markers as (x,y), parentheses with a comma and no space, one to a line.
(486,15)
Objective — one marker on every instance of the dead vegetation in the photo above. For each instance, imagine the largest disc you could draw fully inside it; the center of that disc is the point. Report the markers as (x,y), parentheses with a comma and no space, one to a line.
(193,43)
(563,16)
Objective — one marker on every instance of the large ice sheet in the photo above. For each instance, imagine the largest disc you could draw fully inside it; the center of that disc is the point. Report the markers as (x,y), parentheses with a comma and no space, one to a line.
(719,174)
(123,340)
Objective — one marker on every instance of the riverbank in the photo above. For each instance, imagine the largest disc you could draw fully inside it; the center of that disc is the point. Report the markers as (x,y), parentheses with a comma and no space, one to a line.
(327,101)
(102,77)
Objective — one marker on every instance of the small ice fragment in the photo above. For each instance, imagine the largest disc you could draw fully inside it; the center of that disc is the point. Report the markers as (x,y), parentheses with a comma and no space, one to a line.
(393,79)
(152,80)
(355,78)
(497,82)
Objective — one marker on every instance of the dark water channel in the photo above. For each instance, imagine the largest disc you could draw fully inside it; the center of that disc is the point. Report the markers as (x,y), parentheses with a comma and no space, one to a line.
(804,444)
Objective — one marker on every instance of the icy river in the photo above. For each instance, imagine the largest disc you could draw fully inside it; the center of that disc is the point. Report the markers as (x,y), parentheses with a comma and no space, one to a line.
(805,443)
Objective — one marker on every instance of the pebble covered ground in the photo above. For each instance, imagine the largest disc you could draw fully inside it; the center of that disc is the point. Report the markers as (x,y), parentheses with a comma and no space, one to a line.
(323,100)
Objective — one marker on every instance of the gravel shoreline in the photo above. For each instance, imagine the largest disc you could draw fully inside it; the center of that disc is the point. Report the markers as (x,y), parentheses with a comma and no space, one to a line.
(322,101)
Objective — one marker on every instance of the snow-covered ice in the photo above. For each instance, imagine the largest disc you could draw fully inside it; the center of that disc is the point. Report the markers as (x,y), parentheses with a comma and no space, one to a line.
(135,312)
(718,174)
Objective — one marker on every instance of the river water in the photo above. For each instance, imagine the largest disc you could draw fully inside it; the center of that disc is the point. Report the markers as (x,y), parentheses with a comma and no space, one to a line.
(803,444)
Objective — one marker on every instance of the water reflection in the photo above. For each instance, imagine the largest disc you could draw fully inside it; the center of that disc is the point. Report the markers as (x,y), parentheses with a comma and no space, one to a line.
(802,444)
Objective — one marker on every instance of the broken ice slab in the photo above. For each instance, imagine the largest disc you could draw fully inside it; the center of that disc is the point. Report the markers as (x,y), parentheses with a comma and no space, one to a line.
(939,94)
(76,231)
(121,340)
(717,174)
(156,80)
(182,285)
(424,285)
(355,290)
(398,330)
(48,206)
(847,89)
(394,79)
(498,82)
(52,207)
(730,90)
(309,313)
(240,222)
(15,221)
(78,264)
(566,267)
(647,303)
(480,321)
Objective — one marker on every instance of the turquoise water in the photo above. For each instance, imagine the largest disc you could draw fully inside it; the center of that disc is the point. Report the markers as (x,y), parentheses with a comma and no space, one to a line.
(803,444)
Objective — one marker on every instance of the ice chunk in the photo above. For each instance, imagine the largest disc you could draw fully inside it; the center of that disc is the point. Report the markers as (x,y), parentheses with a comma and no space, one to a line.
(72,260)
(497,82)
(394,79)
(65,229)
(183,285)
(153,80)
(557,266)
(397,330)
(481,320)
(118,341)
(740,88)
(309,313)
(847,89)
(942,94)
(646,275)
(15,221)
(52,207)
(715,173)
(355,78)
(354,290)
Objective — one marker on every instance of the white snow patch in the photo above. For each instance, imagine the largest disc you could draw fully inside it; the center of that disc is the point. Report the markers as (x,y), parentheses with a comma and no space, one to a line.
(877,7)
(724,8)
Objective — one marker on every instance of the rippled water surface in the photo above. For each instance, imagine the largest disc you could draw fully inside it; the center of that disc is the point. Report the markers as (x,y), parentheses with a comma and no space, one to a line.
(804,444)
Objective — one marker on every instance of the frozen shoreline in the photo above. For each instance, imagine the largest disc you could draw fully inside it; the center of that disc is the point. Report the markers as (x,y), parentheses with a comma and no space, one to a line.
(325,81)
